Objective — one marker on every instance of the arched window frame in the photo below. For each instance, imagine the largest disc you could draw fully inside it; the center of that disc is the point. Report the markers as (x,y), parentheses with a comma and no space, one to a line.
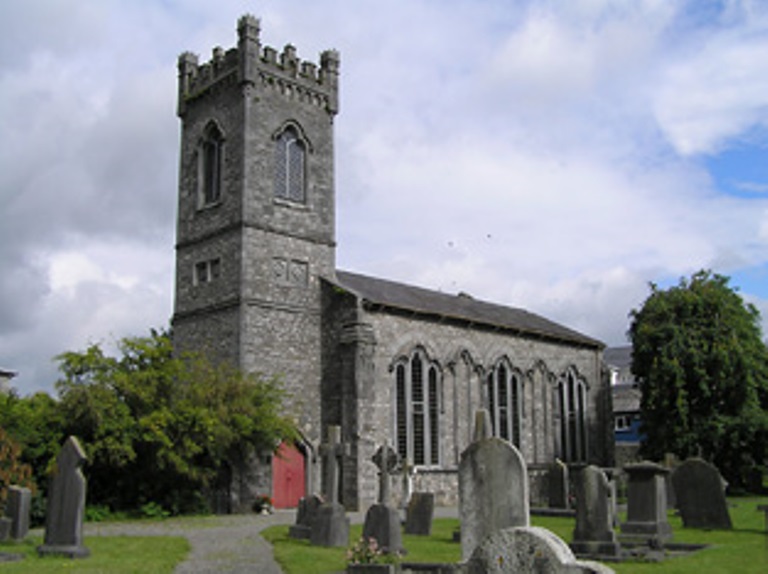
(418,408)
(504,400)
(290,168)
(210,163)
(572,409)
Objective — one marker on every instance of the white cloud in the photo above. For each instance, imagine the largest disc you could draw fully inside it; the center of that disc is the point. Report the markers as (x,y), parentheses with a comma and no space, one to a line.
(541,154)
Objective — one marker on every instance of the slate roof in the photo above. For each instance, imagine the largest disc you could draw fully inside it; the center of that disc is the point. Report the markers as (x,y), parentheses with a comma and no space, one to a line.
(618,357)
(626,398)
(462,307)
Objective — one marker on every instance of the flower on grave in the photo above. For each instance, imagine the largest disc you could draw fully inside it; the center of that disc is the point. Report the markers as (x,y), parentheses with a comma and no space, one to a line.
(364,551)
(368,551)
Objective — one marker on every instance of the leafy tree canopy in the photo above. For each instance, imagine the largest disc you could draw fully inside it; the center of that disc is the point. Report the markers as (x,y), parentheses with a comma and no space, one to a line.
(703,371)
(162,428)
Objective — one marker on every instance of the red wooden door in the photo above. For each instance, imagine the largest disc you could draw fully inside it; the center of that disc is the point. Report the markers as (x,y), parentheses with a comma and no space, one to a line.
(287,476)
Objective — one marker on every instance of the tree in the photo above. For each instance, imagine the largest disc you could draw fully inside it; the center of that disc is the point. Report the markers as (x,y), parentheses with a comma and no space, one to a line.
(159,428)
(703,372)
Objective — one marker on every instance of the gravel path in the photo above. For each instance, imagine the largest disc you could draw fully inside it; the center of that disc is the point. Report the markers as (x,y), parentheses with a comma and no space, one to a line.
(220,544)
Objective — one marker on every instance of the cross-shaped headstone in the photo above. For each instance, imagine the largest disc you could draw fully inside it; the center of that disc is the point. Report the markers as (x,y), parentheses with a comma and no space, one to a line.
(332,451)
(386,461)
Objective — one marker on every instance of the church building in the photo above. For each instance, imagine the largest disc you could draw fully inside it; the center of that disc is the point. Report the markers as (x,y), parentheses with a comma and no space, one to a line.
(257,285)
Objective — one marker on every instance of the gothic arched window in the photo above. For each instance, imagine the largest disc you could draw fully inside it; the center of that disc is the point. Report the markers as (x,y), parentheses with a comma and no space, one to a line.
(505,403)
(290,160)
(210,165)
(417,406)
(572,400)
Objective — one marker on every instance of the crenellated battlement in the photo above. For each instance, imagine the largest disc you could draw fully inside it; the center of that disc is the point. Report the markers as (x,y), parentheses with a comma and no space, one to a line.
(250,63)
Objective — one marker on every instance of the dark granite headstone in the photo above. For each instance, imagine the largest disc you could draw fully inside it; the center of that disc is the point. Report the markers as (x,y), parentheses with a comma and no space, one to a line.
(421,509)
(66,504)
(594,535)
(17,508)
(701,495)
(558,485)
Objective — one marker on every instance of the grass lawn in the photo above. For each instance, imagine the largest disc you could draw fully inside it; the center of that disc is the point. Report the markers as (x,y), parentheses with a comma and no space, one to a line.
(743,549)
(109,555)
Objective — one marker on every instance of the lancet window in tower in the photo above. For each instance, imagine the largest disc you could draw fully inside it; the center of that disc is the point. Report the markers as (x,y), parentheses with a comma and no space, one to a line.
(504,396)
(572,398)
(417,405)
(210,165)
(290,166)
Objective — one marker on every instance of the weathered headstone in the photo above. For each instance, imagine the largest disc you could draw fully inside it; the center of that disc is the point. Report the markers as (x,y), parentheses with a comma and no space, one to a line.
(646,504)
(594,534)
(527,549)
(493,488)
(331,527)
(66,504)
(408,470)
(17,508)
(5,528)
(421,509)
(558,485)
(700,495)
(382,521)
(306,514)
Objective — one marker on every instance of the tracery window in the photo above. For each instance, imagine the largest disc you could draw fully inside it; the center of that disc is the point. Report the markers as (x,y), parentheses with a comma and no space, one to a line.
(290,160)
(572,398)
(504,397)
(417,405)
(211,149)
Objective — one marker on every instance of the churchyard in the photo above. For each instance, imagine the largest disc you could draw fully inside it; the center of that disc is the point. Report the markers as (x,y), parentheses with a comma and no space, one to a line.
(674,520)
(744,549)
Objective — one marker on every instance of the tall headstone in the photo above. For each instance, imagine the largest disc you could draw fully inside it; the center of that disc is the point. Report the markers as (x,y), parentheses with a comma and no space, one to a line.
(646,504)
(382,521)
(493,488)
(594,534)
(331,527)
(408,470)
(17,508)
(418,518)
(701,495)
(558,485)
(66,504)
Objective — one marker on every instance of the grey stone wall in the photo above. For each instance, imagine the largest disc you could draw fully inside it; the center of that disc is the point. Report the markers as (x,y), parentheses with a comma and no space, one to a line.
(463,355)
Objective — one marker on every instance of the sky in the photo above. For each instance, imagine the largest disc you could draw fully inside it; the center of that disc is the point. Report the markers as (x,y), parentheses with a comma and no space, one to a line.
(552,155)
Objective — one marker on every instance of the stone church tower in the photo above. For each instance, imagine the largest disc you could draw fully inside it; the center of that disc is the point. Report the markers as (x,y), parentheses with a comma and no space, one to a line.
(257,286)
(256,225)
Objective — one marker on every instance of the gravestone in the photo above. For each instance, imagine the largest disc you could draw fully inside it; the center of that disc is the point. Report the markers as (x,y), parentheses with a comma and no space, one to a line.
(66,504)
(5,528)
(646,504)
(382,521)
(701,495)
(17,507)
(558,485)
(306,514)
(421,509)
(594,534)
(331,527)
(493,487)
(527,549)
(408,470)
